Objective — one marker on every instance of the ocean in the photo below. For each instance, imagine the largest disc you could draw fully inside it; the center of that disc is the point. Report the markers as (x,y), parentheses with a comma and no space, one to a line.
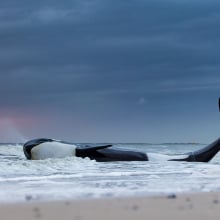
(77,178)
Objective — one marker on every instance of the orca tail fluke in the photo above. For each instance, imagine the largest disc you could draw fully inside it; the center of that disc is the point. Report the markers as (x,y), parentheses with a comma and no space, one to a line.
(203,155)
(207,153)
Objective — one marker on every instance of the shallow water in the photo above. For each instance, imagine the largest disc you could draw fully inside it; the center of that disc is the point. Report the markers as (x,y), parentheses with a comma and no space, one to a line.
(76,178)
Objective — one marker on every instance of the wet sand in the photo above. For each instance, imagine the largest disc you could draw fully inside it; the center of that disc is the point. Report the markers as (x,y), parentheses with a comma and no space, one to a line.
(185,206)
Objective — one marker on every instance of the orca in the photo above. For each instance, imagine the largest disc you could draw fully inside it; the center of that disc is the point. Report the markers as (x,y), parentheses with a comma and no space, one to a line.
(44,148)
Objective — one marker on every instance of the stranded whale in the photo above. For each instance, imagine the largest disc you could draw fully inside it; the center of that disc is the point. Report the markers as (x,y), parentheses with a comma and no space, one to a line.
(44,148)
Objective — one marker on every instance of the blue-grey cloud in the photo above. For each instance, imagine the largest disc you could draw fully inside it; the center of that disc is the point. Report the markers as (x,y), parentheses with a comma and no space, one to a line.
(103,59)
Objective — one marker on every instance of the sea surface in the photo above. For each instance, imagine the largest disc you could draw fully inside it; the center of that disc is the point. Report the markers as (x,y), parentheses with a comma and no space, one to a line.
(77,178)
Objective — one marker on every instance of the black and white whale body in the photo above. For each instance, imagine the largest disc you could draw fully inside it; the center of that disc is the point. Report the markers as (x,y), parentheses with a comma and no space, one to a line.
(44,148)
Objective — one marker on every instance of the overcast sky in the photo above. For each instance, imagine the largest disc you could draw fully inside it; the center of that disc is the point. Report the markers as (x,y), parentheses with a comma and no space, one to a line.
(110,71)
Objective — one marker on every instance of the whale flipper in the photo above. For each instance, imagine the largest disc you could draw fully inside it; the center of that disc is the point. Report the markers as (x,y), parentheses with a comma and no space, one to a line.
(90,151)
(92,148)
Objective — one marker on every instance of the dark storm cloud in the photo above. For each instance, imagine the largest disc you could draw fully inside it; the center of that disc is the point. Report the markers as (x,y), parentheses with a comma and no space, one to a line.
(115,27)
(87,51)
(141,32)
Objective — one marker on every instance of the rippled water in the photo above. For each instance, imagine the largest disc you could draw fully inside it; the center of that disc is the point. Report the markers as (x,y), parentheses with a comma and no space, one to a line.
(76,178)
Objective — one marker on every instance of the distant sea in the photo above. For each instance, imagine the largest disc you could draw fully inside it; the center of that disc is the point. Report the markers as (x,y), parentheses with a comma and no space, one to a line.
(77,178)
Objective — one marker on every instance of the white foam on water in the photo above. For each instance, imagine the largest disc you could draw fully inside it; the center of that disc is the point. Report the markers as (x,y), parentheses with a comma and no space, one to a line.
(163,157)
(76,178)
(9,132)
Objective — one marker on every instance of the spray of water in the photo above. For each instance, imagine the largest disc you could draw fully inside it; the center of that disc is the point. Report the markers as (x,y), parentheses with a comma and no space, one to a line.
(9,132)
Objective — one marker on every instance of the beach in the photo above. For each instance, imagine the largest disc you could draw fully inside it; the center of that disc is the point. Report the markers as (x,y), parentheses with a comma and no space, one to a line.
(174,206)
(76,188)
